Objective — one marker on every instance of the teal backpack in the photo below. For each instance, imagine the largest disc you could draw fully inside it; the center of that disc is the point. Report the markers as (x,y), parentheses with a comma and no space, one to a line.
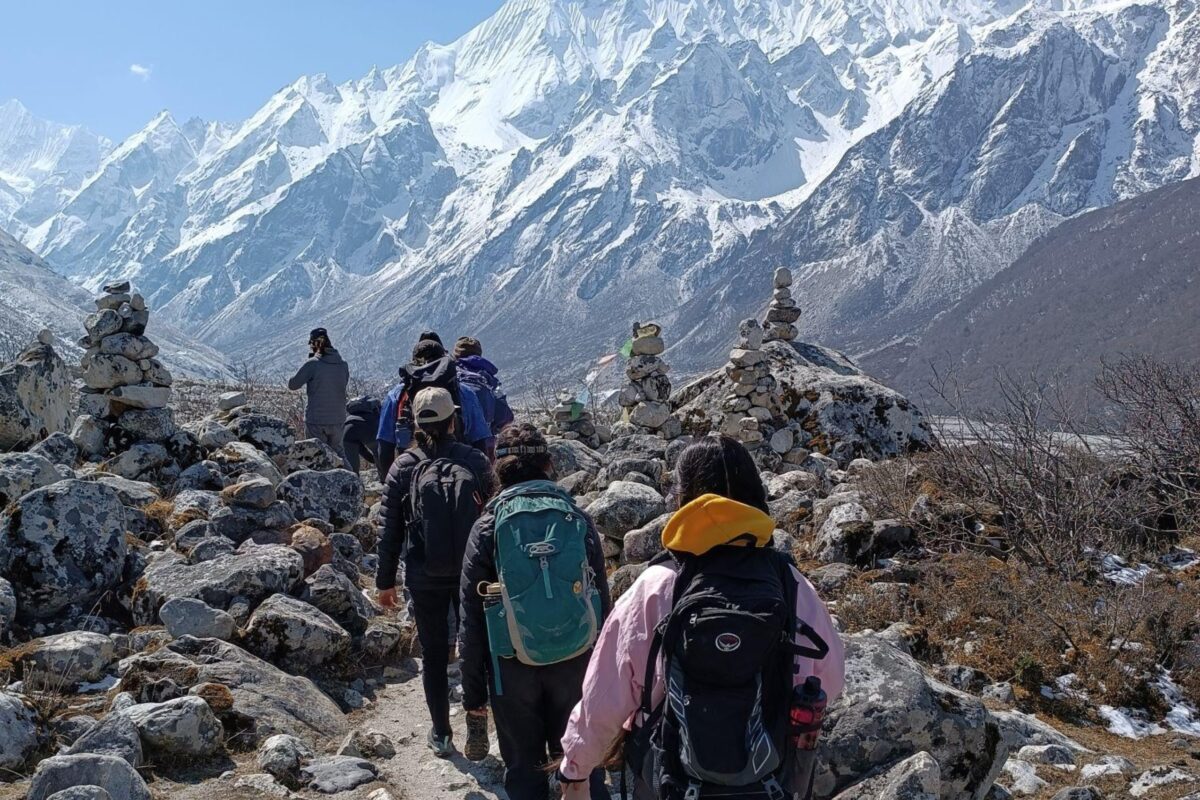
(546,607)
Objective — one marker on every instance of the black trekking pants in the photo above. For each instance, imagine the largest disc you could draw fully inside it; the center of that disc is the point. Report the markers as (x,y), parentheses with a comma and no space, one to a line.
(356,451)
(430,609)
(531,717)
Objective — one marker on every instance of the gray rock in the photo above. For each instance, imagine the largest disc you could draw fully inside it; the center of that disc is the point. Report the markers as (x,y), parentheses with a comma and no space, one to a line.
(915,778)
(67,659)
(239,523)
(830,578)
(1106,765)
(624,577)
(625,506)
(36,396)
(281,756)
(294,634)
(334,774)
(570,456)
(380,639)
(140,462)
(1046,754)
(148,424)
(999,692)
(845,534)
(310,454)
(140,396)
(1020,729)
(8,607)
(892,710)
(211,435)
(23,472)
(112,774)
(131,346)
(261,783)
(269,434)
(82,793)
(644,543)
(103,323)
(335,595)
(115,735)
(89,435)
(65,546)
(182,728)
(367,744)
(1078,793)
(335,496)
(621,466)
(186,616)
(135,494)
(209,549)
(266,699)
(205,475)
(968,679)
(231,400)
(253,491)
(1023,779)
(19,737)
(255,574)
(68,729)
(106,371)
(1156,777)
(240,458)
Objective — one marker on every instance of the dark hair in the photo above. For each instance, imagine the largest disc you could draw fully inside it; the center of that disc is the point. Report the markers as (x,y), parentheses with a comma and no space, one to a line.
(428,435)
(318,339)
(430,336)
(467,346)
(514,469)
(719,465)
(428,350)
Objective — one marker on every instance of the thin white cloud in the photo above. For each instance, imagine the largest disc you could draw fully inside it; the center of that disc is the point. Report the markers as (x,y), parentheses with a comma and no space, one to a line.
(141,71)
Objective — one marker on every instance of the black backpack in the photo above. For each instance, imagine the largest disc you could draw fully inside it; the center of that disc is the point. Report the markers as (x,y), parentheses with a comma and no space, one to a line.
(446,497)
(440,374)
(729,653)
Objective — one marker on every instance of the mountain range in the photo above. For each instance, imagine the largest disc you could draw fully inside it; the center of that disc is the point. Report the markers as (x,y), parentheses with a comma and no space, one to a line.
(570,166)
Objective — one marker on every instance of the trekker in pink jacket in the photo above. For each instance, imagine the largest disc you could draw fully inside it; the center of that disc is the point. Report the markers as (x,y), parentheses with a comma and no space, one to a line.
(721,501)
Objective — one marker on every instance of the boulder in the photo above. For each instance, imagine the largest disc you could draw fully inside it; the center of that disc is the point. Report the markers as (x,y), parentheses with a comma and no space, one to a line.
(112,774)
(8,607)
(107,371)
(270,434)
(625,506)
(311,454)
(334,594)
(334,774)
(335,496)
(624,577)
(23,472)
(131,346)
(148,424)
(36,397)
(892,710)
(239,458)
(140,462)
(82,793)
(571,455)
(140,396)
(254,574)
(915,778)
(637,445)
(186,616)
(845,534)
(253,491)
(89,435)
(239,523)
(19,737)
(621,466)
(67,659)
(205,475)
(294,634)
(183,728)
(281,756)
(65,547)
(210,434)
(134,494)
(313,546)
(231,400)
(115,735)
(644,543)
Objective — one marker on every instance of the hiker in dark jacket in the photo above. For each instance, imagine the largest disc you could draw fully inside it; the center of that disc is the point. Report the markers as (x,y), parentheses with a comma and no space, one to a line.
(478,376)
(430,366)
(324,376)
(432,596)
(534,701)
(362,422)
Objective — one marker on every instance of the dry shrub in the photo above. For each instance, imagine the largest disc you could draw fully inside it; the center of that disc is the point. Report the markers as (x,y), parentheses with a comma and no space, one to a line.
(1031,626)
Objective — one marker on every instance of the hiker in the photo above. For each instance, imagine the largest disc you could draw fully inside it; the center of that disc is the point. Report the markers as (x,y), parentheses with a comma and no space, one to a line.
(435,491)
(536,556)
(430,366)
(478,376)
(324,376)
(362,423)
(731,666)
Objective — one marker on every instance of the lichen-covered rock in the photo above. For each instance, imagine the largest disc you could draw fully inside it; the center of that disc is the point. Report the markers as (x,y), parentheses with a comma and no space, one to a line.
(115,735)
(65,547)
(140,462)
(294,634)
(265,699)
(58,449)
(134,494)
(239,458)
(310,454)
(182,728)
(270,434)
(253,491)
(107,371)
(148,424)
(335,774)
(624,577)
(89,435)
(204,475)
(66,659)
(238,523)
(18,732)
(210,434)
(8,607)
(187,616)
(335,496)
(36,397)
(915,778)
(281,756)
(571,455)
(335,595)
(849,414)
(644,543)
(24,472)
(892,710)
(845,534)
(255,575)
(625,506)
(112,774)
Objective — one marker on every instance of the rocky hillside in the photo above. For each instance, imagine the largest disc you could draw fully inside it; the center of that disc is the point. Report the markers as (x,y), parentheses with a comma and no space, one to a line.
(1112,281)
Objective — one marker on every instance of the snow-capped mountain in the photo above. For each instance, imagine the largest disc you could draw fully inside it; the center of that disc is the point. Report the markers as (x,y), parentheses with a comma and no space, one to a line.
(571,165)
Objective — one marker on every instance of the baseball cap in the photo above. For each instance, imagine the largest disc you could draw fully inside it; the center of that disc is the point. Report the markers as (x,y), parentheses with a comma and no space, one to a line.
(433,405)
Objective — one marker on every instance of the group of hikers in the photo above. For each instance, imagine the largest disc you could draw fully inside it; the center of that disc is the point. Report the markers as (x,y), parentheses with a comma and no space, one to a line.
(708,678)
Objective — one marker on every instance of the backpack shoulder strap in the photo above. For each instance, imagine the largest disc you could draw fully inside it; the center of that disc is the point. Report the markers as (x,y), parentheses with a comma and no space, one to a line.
(791,588)
(668,629)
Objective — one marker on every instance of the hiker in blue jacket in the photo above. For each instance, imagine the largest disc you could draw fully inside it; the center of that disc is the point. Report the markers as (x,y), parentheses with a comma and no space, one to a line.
(430,367)
(478,376)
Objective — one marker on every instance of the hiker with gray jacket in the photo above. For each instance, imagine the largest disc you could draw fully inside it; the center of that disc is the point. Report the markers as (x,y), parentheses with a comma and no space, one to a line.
(324,376)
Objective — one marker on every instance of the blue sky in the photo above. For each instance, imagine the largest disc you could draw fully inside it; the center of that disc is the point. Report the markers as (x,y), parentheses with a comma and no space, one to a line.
(112,65)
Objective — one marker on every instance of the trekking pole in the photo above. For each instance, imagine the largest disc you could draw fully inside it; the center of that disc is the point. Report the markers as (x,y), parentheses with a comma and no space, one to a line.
(806,715)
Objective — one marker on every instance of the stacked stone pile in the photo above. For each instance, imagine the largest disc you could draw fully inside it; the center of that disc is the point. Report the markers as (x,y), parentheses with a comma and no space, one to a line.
(780,324)
(753,403)
(646,397)
(572,420)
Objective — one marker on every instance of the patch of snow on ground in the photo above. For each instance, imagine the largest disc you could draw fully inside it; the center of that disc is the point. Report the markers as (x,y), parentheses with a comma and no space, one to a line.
(1118,570)
(1130,723)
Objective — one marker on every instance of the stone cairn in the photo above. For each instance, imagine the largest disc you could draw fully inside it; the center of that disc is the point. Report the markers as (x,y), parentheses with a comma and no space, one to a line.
(126,388)
(646,398)
(572,420)
(780,324)
(754,401)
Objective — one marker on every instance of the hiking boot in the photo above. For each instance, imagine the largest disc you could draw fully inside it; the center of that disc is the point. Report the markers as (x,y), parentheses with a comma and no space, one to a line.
(477,746)
(440,745)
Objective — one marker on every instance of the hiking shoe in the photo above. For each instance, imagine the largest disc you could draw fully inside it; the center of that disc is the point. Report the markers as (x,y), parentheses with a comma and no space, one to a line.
(476,748)
(440,745)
